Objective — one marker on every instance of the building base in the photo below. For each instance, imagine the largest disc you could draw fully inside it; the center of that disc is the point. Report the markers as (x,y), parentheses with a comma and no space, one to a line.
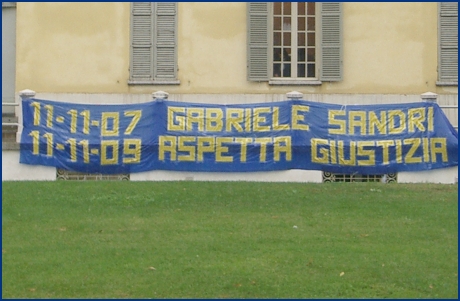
(12,170)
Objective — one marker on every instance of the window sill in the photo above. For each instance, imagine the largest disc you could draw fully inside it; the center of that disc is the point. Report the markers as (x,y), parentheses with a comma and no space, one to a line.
(154,82)
(294,82)
(446,83)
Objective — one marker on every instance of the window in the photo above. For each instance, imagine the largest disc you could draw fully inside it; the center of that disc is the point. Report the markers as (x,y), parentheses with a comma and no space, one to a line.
(336,177)
(294,42)
(62,174)
(153,51)
(448,43)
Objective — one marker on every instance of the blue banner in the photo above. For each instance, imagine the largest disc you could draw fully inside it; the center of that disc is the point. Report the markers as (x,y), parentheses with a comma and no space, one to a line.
(168,135)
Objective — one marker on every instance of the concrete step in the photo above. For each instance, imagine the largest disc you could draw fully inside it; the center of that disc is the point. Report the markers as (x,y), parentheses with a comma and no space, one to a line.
(9,119)
(10,145)
(9,133)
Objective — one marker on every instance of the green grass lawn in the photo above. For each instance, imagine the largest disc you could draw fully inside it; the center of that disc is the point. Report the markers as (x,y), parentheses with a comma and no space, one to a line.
(229,240)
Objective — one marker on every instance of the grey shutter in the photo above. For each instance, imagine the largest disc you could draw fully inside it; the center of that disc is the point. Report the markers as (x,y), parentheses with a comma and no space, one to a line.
(331,41)
(165,58)
(141,67)
(448,42)
(258,39)
(8,4)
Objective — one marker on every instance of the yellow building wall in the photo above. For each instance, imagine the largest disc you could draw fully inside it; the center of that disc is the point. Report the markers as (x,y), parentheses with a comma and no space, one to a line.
(73,47)
(389,48)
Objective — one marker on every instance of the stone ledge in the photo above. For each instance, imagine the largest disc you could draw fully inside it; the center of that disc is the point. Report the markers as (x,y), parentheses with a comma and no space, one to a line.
(10,145)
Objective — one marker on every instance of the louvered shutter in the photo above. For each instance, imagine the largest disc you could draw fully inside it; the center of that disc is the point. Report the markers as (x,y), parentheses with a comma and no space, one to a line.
(141,68)
(448,42)
(258,39)
(331,41)
(165,41)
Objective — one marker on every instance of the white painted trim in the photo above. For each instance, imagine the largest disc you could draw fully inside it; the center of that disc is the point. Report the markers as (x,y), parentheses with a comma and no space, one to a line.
(153,82)
(294,82)
(300,176)
(12,170)
(438,83)
(447,175)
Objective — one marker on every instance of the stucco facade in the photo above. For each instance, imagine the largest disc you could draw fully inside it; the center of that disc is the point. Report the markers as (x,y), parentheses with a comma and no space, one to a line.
(80,52)
(388,48)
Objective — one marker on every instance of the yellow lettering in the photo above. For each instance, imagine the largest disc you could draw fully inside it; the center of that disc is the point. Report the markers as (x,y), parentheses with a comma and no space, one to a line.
(258,120)
(276,118)
(223,149)
(49,143)
(357,119)
(182,147)
(205,145)
(73,147)
(36,106)
(282,145)
(430,119)
(195,116)
(415,118)
(340,123)
(244,144)
(375,122)
(85,148)
(393,129)
(49,118)
(136,117)
(333,152)
(247,119)
(115,116)
(214,120)
(385,144)
(296,118)
(233,121)
(132,147)
(173,119)
(342,160)
(263,147)
(104,153)
(426,153)
(370,153)
(73,121)
(167,144)
(315,144)
(439,146)
(415,143)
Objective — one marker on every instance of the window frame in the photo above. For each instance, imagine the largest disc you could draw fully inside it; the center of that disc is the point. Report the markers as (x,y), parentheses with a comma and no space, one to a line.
(314,81)
(259,46)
